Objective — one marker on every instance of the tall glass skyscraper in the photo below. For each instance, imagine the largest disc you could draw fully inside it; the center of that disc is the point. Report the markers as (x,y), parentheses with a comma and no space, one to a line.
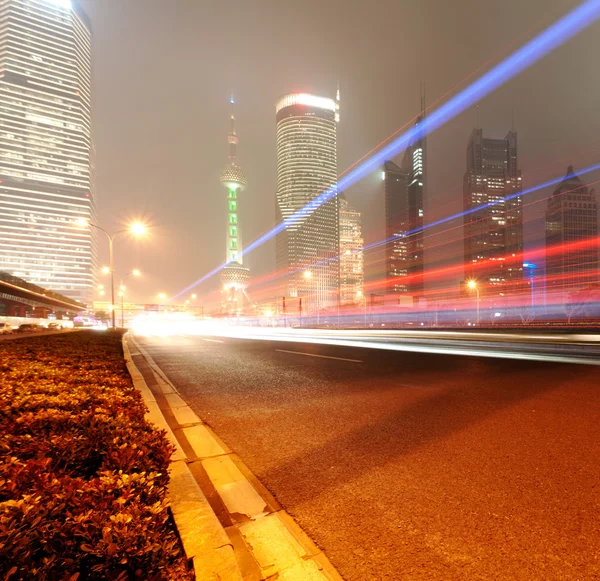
(395,183)
(308,247)
(46,148)
(571,236)
(493,236)
(404,189)
(352,273)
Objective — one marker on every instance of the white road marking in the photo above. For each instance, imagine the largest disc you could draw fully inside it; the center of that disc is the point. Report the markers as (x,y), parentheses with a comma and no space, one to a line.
(322,356)
(214,340)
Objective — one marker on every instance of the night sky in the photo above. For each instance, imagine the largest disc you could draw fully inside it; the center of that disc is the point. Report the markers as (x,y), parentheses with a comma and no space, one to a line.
(164,70)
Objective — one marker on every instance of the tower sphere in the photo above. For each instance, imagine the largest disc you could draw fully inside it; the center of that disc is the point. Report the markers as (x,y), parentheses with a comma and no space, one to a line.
(233,177)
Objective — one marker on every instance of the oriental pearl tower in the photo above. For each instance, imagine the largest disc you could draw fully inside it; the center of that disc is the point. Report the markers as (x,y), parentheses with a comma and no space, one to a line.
(234,276)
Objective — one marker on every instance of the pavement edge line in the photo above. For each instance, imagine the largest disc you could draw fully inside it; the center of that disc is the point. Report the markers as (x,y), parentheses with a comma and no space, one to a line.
(204,539)
(296,557)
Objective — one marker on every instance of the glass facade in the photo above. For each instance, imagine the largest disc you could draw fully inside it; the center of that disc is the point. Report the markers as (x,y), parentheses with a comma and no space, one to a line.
(571,236)
(493,236)
(306,167)
(351,254)
(397,222)
(46,148)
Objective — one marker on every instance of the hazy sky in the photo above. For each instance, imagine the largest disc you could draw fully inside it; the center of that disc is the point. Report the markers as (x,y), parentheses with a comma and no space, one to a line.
(164,69)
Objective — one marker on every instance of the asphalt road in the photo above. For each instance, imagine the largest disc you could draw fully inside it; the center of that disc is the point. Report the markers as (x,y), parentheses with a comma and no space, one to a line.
(411,466)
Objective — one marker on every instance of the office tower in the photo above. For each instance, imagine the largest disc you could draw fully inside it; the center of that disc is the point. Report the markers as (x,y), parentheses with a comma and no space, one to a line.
(234,276)
(396,181)
(493,236)
(351,254)
(46,148)
(571,236)
(415,165)
(308,245)
(404,189)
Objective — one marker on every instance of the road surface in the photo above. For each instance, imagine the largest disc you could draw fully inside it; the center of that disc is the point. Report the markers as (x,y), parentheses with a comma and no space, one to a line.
(408,465)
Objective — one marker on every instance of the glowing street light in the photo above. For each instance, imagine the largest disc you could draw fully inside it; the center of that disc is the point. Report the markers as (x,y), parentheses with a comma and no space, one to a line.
(472,284)
(194,296)
(307,274)
(162,296)
(136,272)
(105,270)
(136,229)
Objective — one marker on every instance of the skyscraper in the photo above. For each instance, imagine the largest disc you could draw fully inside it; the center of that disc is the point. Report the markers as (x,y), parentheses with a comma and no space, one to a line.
(493,236)
(234,276)
(404,214)
(306,167)
(571,236)
(351,254)
(396,182)
(46,148)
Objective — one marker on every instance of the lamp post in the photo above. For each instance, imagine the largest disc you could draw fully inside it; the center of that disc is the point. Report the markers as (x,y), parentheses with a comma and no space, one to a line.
(137,229)
(473,286)
(134,272)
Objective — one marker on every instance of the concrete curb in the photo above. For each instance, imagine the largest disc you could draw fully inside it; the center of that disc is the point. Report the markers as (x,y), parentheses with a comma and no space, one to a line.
(204,539)
(267,541)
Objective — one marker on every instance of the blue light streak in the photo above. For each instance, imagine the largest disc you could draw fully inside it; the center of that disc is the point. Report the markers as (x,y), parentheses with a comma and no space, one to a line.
(450,218)
(554,36)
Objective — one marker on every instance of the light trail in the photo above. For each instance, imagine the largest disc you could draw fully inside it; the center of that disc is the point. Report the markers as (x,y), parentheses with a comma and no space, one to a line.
(567,348)
(551,38)
(441,221)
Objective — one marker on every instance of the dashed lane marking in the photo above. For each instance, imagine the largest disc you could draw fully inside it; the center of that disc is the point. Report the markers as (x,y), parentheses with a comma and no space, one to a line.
(321,356)
(214,340)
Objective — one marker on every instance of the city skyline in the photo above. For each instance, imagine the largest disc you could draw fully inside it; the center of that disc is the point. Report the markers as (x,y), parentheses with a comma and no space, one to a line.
(537,152)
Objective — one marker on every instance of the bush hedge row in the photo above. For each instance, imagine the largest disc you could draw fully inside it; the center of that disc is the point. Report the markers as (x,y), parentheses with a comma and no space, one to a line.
(82,474)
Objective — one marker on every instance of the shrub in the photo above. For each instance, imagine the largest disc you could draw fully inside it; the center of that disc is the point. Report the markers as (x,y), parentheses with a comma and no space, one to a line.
(83,476)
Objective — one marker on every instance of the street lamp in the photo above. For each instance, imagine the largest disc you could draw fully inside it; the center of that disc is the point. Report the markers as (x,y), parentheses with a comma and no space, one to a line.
(473,286)
(136,229)
(122,288)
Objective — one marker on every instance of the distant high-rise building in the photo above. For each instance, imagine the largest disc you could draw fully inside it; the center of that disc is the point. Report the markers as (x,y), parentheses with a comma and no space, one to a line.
(415,165)
(493,236)
(396,182)
(234,276)
(46,147)
(571,236)
(351,254)
(306,167)
(404,214)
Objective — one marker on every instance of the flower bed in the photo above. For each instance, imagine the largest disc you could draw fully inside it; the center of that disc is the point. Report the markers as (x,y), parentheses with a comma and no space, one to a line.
(82,474)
